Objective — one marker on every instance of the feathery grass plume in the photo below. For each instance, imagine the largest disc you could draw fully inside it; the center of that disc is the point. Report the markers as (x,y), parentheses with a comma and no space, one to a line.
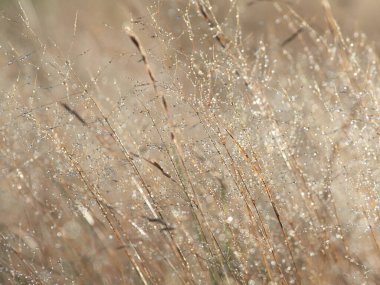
(189,142)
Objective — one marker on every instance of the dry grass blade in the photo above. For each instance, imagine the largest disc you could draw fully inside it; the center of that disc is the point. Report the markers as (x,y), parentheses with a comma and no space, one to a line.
(74,113)
(292,37)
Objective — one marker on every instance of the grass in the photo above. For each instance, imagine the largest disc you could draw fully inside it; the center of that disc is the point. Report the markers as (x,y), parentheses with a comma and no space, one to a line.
(184,142)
